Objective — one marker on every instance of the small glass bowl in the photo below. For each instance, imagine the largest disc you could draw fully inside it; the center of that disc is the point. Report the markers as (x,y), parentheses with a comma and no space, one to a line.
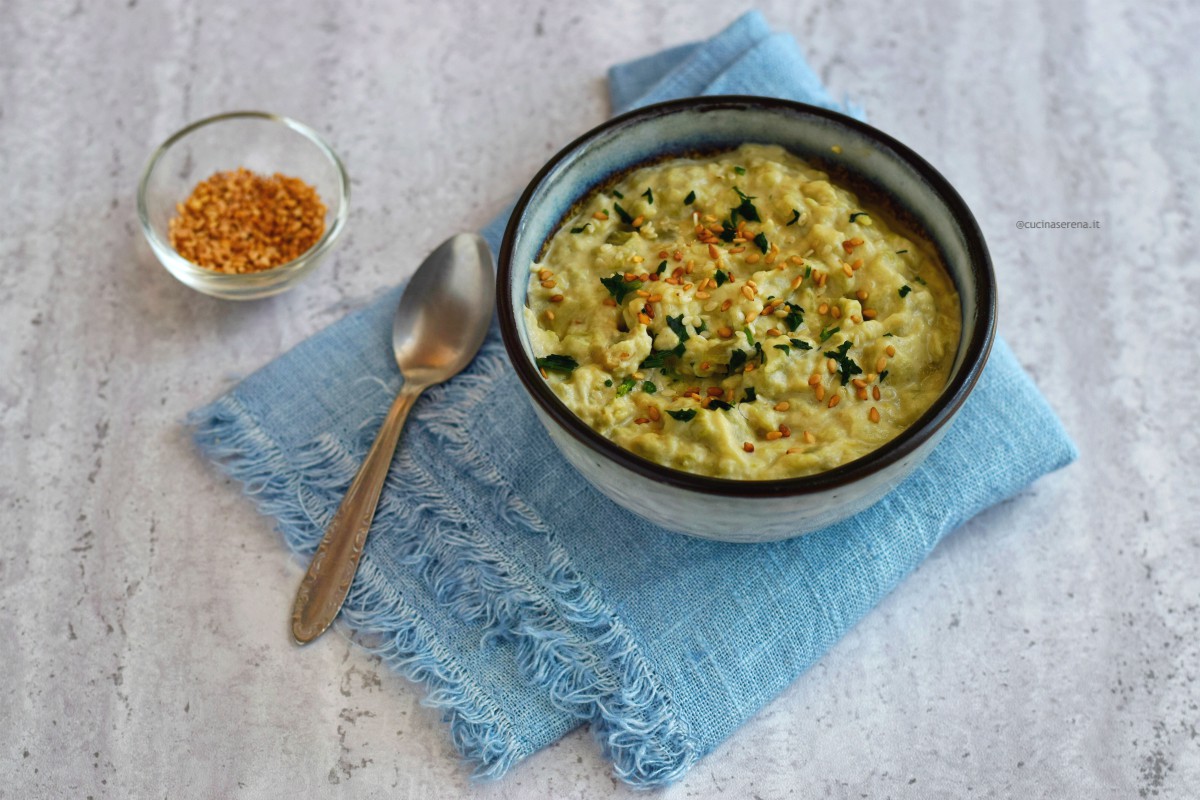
(263,143)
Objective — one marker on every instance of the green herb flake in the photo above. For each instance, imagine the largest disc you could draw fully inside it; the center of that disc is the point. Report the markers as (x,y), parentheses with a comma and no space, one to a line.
(649,195)
(883,375)
(661,268)
(718,405)
(683,415)
(827,333)
(649,388)
(858,214)
(557,363)
(618,287)
(737,360)
(728,230)
(580,229)
(676,324)
(787,351)
(807,271)
(795,316)
(795,218)
(751,395)
(623,214)
(749,335)
(761,240)
(740,170)
(608,382)
(762,357)
(904,290)
(886,335)
(626,387)
(800,344)
(920,280)
(746,210)
(687,201)
(846,365)
(901,252)
(720,277)
(618,195)
(658,358)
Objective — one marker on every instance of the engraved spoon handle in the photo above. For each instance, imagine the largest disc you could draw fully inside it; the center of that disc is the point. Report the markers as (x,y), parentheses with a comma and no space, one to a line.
(327,582)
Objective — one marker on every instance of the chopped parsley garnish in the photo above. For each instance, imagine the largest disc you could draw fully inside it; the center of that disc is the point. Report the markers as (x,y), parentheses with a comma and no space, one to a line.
(920,280)
(846,365)
(557,363)
(728,230)
(800,344)
(888,334)
(618,195)
(762,357)
(746,210)
(858,214)
(661,268)
(795,316)
(882,375)
(749,334)
(807,271)
(901,252)
(751,395)
(718,405)
(683,415)
(580,229)
(795,218)
(608,382)
(740,170)
(623,214)
(618,287)
(687,201)
(787,351)
(649,388)
(905,289)
(827,333)
(737,360)
(649,195)
(658,358)
(761,240)
(720,277)
(676,324)
(626,387)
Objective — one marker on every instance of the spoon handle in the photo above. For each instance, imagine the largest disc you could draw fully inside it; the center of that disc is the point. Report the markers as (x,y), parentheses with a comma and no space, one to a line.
(327,582)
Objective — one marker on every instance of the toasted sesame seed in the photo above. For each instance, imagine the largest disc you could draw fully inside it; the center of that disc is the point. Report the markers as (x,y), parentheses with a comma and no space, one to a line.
(702,295)
(637,259)
(638,220)
(770,257)
(687,287)
(751,316)
(713,252)
(856,264)
(653,413)
(544,375)
(724,331)
(773,435)
(891,351)
(796,281)
(870,313)
(809,438)
(677,255)
(814,379)
(600,215)
(608,301)
(749,448)
(848,270)
(545,274)
(642,318)
(875,392)
(773,331)
(642,293)
(662,253)
(858,383)
(641,421)
(782,405)
(791,451)
(736,250)
(709,218)
(833,401)
(725,306)
(645,276)
(704,365)
(748,292)
(823,308)
(549,284)
(655,298)
(819,392)
(714,391)
(549,315)
(830,366)
(861,294)
(749,368)
(753,258)
(880,364)
(873,415)
(856,319)
(861,394)
(836,312)
(691,265)
(630,277)
(556,298)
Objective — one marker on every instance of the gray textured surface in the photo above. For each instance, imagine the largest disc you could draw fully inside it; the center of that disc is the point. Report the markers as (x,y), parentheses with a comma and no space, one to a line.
(1049,648)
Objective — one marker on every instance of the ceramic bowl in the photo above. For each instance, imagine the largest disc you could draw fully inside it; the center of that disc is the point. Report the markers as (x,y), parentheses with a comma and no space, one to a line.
(875,165)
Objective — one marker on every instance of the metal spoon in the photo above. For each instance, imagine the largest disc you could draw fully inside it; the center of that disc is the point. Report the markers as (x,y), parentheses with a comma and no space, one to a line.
(442,319)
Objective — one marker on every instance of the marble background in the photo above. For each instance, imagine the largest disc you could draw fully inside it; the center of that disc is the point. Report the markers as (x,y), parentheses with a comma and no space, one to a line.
(1047,649)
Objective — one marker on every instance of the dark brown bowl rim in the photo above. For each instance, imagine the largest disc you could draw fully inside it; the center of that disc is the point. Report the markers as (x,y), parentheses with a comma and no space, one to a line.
(939,414)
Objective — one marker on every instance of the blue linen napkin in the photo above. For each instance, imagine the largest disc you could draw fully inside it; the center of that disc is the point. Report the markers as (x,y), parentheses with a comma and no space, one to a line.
(526,602)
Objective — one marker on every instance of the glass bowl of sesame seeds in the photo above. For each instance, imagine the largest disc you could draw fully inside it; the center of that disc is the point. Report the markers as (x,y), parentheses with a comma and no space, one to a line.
(243,205)
(715,459)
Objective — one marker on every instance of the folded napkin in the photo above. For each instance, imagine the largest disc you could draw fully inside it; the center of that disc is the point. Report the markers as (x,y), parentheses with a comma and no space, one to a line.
(525,601)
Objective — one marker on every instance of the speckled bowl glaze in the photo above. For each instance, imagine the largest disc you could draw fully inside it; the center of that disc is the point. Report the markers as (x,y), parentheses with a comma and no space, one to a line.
(870,162)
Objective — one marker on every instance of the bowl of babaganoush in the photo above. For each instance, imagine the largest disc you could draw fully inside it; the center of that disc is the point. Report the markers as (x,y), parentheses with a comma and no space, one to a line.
(744,318)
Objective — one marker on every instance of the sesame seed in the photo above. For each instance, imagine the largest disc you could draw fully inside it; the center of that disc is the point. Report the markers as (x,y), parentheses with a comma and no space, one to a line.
(642,318)
(655,298)
(773,331)
(608,301)
(823,308)
(833,401)
(830,366)
(600,215)
(702,295)
(704,365)
(870,313)
(642,293)
(859,383)
(819,392)
(856,319)
(796,281)
(677,255)
(814,379)
(791,451)
(861,294)
(638,220)
(835,312)
(861,394)
(549,315)
(809,438)
(751,316)
(891,351)
(637,259)
(549,284)
(662,253)
(874,414)
(724,331)
(749,448)
(748,292)
(630,277)
(641,421)
(848,270)
(880,364)
(782,405)
(545,274)
(725,306)
(557,298)
(753,258)
(653,413)
(773,435)
(736,250)
(875,392)
(769,258)
(715,391)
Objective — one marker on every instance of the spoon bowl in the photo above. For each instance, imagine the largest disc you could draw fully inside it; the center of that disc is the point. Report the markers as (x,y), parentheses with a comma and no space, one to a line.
(441,321)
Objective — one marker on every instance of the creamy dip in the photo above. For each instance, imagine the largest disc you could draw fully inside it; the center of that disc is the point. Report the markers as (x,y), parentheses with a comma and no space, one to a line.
(741,316)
